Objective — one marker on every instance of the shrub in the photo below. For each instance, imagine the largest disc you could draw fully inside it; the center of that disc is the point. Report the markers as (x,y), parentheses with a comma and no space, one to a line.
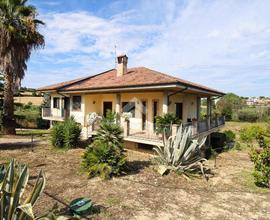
(57,136)
(71,133)
(163,123)
(230,136)
(104,160)
(251,133)
(105,157)
(66,134)
(261,160)
(248,115)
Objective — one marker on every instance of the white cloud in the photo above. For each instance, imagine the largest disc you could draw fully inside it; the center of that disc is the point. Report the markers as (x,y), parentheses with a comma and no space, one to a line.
(217,43)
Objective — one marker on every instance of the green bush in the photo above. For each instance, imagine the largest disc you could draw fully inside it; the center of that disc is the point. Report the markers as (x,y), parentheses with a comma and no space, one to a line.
(104,160)
(105,157)
(57,136)
(248,115)
(71,133)
(251,133)
(66,134)
(230,136)
(163,123)
(261,160)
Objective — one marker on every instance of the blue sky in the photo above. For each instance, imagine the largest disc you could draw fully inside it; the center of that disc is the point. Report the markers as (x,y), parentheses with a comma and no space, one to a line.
(222,44)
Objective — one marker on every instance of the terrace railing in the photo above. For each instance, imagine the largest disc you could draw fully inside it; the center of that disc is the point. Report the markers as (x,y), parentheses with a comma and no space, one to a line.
(58,114)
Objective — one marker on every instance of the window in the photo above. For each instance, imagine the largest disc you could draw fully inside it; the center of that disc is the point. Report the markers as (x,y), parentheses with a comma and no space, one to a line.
(56,102)
(76,103)
(129,107)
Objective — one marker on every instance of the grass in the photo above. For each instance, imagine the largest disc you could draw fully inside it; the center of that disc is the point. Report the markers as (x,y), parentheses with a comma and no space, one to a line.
(246,179)
(112,201)
(236,127)
(27,132)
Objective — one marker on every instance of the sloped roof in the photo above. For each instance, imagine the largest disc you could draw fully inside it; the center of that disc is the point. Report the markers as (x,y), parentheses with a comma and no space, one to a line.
(138,76)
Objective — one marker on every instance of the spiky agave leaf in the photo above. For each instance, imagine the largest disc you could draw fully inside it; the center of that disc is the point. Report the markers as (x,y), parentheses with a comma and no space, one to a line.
(18,190)
(180,152)
(11,192)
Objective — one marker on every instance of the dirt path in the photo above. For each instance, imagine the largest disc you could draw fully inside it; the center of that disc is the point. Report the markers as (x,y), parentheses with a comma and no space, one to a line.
(143,194)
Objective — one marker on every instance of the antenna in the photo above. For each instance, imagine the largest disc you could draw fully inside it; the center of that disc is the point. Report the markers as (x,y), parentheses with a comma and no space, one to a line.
(115,56)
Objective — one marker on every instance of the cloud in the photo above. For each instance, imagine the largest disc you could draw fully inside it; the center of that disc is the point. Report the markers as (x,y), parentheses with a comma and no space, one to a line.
(216,43)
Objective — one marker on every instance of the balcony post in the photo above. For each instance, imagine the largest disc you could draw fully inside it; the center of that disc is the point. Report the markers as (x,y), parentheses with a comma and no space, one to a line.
(209,106)
(174,129)
(198,108)
(209,112)
(194,127)
(126,128)
(208,123)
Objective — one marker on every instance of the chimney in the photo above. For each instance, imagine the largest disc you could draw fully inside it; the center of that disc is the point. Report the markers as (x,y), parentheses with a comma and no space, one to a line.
(122,65)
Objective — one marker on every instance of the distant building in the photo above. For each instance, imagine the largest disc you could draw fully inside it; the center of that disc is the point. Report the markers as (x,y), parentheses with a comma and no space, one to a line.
(253,101)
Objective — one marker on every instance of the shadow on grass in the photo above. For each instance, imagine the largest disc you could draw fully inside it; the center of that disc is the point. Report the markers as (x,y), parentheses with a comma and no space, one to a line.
(95,210)
(19,145)
(136,166)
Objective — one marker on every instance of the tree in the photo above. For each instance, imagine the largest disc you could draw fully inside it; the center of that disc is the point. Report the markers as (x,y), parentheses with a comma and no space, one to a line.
(227,103)
(1,97)
(18,38)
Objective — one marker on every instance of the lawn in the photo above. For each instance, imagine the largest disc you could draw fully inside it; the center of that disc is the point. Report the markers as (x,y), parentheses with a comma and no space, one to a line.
(35,132)
(142,193)
(237,126)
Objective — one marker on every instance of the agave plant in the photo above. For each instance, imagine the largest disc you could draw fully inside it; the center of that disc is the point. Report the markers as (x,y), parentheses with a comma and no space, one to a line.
(180,153)
(12,186)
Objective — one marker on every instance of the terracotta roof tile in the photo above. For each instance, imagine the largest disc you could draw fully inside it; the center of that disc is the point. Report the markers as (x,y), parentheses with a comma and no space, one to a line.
(138,76)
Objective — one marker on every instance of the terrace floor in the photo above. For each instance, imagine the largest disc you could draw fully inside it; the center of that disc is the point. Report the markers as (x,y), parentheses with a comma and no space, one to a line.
(142,193)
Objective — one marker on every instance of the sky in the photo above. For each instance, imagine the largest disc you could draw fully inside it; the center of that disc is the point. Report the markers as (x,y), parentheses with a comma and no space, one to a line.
(224,44)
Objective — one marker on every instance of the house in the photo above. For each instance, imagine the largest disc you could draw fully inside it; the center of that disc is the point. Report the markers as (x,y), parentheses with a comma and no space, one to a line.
(253,101)
(142,92)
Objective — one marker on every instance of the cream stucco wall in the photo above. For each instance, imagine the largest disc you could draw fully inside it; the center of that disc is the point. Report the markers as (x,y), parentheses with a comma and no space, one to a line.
(189,105)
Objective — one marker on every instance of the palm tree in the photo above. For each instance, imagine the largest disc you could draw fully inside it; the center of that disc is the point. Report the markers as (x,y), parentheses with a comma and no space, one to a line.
(18,38)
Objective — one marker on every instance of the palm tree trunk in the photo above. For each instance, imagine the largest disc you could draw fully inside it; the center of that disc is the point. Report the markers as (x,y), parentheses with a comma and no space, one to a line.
(9,123)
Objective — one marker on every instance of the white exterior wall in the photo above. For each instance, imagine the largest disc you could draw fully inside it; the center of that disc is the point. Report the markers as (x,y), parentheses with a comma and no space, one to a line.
(79,116)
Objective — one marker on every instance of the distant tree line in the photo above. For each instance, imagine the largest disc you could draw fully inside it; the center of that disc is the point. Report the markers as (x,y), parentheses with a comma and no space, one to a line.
(234,107)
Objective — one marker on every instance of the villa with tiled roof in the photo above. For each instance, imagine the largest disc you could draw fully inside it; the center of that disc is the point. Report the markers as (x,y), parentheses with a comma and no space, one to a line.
(139,91)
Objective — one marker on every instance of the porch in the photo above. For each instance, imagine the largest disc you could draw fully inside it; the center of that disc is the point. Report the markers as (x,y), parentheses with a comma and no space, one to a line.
(199,128)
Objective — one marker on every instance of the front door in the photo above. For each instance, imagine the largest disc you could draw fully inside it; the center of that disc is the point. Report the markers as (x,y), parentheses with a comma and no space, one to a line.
(179,110)
(107,106)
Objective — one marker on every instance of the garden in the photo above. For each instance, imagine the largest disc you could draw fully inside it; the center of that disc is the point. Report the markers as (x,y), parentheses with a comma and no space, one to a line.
(127,184)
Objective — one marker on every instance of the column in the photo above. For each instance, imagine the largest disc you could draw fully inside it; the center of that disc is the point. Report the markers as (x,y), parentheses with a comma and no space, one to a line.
(209,112)
(198,108)
(165,106)
(118,106)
